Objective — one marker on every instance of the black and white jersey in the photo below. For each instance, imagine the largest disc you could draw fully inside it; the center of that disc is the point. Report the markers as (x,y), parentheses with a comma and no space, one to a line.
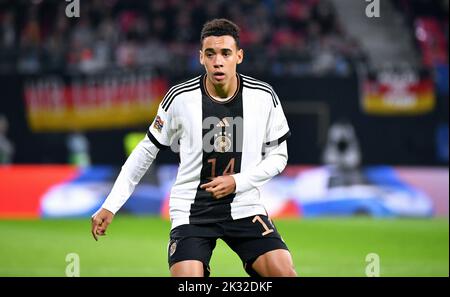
(243,136)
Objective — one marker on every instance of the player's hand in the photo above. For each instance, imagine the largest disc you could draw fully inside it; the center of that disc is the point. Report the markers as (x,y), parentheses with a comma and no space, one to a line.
(100,222)
(220,186)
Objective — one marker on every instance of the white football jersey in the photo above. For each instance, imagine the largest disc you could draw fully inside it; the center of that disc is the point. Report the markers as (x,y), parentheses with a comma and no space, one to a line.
(244,136)
(216,138)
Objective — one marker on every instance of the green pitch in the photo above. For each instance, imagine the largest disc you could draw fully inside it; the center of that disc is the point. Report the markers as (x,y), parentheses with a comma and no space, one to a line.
(136,246)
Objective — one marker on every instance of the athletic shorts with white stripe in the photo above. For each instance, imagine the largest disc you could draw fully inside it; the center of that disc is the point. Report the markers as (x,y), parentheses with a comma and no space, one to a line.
(249,237)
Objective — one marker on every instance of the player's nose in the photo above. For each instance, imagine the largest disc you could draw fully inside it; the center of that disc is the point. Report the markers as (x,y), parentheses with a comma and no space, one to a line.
(218,62)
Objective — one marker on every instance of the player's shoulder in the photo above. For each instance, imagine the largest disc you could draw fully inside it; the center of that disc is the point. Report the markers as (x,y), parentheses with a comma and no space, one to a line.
(178,90)
(247,79)
(264,88)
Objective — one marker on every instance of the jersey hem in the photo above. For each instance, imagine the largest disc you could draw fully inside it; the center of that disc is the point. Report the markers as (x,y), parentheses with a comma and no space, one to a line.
(182,221)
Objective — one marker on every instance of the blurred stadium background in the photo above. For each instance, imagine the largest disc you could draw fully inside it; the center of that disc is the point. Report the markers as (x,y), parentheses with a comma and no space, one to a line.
(366,100)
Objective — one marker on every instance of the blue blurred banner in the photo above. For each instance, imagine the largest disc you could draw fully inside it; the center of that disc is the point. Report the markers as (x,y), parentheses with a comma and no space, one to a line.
(379,191)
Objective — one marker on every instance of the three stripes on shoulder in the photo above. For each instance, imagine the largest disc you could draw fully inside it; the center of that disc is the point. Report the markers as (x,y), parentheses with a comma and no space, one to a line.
(255,84)
(188,86)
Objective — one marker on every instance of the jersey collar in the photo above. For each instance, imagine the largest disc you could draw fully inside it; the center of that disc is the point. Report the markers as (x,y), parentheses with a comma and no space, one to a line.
(205,91)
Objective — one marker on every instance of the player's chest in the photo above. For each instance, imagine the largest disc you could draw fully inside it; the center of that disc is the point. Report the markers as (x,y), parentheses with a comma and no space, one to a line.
(223,125)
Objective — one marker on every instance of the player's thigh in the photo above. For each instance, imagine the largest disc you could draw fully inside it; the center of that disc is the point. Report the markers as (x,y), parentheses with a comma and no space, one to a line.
(275,263)
(193,244)
(251,238)
(188,268)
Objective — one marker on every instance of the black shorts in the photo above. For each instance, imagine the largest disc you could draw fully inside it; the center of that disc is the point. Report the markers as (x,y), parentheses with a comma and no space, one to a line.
(248,237)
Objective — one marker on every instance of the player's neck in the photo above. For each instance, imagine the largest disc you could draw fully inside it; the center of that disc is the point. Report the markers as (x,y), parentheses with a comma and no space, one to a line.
(222,91)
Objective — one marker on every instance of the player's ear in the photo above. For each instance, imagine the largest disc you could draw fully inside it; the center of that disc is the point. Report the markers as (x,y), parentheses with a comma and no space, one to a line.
(201,57)
(240,55)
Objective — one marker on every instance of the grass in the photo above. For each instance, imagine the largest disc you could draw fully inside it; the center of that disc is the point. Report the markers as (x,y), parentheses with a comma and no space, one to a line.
(136,246)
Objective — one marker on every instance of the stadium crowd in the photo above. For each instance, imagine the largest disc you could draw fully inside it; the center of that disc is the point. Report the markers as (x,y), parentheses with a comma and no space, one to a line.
(280,37)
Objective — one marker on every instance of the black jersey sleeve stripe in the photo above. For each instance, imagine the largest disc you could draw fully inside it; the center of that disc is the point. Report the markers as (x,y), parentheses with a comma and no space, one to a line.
(260,82)
(174,88)
(263,85)
(268,88)
(279,140)
(178,87)
(261,89)
(252,79)
(156,142)
(249,78)
(181,91)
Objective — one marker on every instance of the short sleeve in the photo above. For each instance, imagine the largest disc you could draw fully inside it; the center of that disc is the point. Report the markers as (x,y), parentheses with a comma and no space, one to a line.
(277,125)
(163,128)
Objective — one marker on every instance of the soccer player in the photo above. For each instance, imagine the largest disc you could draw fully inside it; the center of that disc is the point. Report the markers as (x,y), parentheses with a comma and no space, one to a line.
(230,131)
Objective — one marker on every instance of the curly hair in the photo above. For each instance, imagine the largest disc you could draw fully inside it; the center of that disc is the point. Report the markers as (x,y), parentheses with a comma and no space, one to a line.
(220,27)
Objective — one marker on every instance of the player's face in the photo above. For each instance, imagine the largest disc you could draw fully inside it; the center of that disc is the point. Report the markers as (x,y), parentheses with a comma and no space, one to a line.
(220,56)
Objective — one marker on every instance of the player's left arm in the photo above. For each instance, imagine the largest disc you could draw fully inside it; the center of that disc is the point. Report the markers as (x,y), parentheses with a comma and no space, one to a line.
(274,149)
(274,162)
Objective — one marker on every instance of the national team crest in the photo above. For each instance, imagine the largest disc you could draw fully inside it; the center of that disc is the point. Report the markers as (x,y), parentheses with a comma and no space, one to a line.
(158,124)
(222,141)
(172,248)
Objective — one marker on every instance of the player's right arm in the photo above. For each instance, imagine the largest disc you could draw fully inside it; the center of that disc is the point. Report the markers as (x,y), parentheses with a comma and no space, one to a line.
(131,173)
(159,136)
(100,222)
